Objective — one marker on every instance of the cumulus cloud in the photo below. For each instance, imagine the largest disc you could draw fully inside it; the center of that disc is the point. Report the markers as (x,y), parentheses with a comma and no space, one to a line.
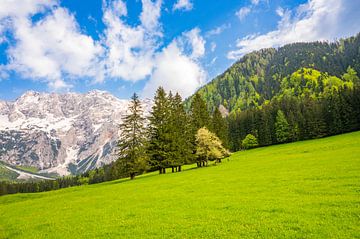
(315,20)
(50,48)
(195,41)
(130,49)
(185,5)
(176,72)
(54,50)
(243,12)
(178,69)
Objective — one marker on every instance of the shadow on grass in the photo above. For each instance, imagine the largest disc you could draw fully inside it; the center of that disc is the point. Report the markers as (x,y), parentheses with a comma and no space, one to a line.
(155,173)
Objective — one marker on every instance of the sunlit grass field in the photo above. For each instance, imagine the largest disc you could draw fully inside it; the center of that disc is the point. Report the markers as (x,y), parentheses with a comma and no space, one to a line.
(307,189)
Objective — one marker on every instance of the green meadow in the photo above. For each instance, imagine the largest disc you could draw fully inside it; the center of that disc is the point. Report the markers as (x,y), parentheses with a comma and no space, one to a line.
(308,189)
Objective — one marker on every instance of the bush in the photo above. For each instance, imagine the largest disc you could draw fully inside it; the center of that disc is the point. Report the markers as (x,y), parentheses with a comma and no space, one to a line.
(250,141)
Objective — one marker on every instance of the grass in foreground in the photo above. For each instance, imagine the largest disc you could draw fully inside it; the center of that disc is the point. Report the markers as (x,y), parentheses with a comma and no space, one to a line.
(306,189)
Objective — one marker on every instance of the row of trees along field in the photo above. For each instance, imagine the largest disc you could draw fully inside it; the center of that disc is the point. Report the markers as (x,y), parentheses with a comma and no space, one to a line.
(169,137)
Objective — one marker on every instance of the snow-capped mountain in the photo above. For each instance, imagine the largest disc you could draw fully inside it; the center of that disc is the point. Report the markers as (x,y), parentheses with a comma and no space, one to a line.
(61,133)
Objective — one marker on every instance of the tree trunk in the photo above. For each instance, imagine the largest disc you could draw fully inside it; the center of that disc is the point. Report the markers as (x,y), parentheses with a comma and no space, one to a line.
(164,170)
(198,164)
(179,168)
(132,176)
(172,169)
(160,170)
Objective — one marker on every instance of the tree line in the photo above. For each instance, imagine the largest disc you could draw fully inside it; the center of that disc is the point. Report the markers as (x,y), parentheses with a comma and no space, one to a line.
(290,118)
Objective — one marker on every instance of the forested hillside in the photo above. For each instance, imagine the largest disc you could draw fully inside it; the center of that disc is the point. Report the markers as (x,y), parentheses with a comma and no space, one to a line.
(259,76)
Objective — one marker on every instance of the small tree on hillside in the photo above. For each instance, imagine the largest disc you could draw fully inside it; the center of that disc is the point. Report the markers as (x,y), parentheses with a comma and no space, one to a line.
(282,129)
(208,147)
(132,143)
(250,141)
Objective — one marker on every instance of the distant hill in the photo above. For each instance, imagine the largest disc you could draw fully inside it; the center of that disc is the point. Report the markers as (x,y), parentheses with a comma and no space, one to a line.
(259,76)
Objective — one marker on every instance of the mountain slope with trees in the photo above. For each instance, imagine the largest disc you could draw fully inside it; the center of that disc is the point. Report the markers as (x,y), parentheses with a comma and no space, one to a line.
(258,76)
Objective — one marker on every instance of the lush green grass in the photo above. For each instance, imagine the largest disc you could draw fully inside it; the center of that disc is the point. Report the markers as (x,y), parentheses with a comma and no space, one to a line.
(307,189)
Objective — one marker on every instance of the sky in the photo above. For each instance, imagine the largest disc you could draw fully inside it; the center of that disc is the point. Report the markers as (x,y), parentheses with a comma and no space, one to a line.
(127,46)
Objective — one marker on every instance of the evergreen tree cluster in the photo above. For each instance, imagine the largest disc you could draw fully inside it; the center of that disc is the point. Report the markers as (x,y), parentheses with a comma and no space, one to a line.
(290,118)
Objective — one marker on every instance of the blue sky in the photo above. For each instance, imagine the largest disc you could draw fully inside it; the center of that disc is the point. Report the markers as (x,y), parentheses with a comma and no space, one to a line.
(135,46)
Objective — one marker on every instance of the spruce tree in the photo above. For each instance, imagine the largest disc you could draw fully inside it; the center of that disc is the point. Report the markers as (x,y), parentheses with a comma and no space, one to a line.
(282,129)
(159,132)
(180,133)
(219,126)
(132,143)
(199,113)
(249,142)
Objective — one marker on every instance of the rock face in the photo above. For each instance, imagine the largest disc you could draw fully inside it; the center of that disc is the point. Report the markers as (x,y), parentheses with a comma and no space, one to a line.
(61,133)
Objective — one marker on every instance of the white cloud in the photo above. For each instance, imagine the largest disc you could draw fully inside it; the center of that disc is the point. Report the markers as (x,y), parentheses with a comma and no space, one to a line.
(130,50)
(243,12)
(280,11)
(150,16)
(54,50)
(255,2)
(212,46)
(176,68)
(196,42)
(213,60)
(218,30)
(12,8)
(185,5)
(315,20)
(176,72)
(51,48)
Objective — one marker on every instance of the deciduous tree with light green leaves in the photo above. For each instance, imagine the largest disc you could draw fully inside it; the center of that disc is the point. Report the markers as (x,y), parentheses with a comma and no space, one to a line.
(208,147)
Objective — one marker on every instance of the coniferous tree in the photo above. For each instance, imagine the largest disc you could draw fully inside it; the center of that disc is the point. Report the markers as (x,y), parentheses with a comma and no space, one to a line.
(281,127)
(159,130)
(249,142)
(219,126)
(180,132)
(132,144)
(199,113)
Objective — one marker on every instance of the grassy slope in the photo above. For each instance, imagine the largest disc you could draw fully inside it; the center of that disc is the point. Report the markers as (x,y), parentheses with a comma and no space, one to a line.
(306,189)
(6,174)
